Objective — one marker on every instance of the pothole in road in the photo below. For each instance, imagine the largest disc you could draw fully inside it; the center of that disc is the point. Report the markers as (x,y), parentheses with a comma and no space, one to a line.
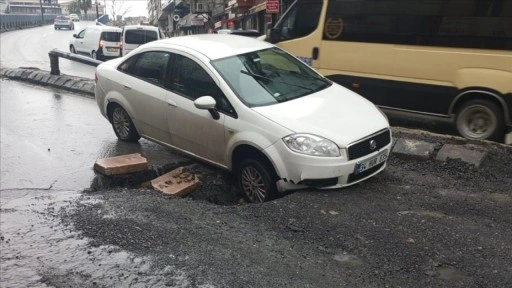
(217,186)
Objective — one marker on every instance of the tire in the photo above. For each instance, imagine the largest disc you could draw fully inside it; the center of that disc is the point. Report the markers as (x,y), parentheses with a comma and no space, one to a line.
(257,180)
(123,125)
(72,49)
(480,120)
(93,55)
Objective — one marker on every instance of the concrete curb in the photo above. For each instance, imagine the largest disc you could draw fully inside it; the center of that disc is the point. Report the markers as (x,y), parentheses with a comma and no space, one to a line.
(417,144)
(44,78)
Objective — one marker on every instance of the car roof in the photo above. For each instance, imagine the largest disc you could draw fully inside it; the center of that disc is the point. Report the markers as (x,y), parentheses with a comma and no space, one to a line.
(105,28)
(214,46)
(147,27)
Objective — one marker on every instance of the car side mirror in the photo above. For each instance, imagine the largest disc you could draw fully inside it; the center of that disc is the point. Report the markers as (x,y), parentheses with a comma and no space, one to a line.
(275,35)
(74,35)
(207,103)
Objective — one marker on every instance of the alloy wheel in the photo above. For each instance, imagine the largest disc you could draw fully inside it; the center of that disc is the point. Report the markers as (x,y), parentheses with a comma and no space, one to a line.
(121,123)
(253,184)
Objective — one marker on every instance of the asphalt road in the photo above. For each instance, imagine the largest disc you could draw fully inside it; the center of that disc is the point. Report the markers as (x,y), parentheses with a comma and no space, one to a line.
(30,47)
(425,223)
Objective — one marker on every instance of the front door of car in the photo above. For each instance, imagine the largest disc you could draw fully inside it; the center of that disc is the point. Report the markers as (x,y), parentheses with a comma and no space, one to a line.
(192,129)
(144,91)
(79,41)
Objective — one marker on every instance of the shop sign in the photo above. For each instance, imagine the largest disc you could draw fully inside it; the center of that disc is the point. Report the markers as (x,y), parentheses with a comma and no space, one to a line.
(272,6)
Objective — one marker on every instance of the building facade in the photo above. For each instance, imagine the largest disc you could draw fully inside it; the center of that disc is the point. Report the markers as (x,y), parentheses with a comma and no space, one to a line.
(182,17)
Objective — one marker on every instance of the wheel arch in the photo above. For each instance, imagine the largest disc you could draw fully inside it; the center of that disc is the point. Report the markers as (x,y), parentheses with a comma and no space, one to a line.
(243,151)
(482,94)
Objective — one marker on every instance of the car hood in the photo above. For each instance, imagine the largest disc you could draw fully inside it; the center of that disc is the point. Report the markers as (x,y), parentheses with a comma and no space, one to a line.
(335,113)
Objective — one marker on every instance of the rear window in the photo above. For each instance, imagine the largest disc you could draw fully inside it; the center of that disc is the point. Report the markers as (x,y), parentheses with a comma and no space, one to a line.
(140,36)
(61,17)
(111,36)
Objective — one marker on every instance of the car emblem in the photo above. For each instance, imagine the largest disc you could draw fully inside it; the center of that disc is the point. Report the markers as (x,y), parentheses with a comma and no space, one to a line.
(373,145)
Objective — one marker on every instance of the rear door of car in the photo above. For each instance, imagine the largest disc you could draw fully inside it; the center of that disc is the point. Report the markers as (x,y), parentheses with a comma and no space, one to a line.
(145,93)
(134,37)
(193,129)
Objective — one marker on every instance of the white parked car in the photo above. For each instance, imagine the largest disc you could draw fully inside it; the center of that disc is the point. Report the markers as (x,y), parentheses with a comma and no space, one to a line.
(246,106)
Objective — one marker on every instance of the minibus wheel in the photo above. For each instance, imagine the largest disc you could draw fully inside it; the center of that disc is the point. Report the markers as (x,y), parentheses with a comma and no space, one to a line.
(480,120)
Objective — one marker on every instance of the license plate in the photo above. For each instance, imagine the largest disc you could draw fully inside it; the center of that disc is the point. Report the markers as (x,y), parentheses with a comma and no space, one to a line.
(369,163)
(112,49)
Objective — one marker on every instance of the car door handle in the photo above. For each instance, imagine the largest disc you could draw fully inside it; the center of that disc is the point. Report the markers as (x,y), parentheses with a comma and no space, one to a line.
(127,87)
(171,103)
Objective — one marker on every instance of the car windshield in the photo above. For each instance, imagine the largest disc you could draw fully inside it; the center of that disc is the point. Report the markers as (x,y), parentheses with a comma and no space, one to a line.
(268,77)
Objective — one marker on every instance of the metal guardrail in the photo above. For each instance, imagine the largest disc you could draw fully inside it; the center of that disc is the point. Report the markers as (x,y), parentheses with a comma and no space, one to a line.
(56,53)
(18,21)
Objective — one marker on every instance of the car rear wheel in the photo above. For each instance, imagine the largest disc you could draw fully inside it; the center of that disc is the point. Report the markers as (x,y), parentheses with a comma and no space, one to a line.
(93,55)
(480,120)
(123,125)
(257,180)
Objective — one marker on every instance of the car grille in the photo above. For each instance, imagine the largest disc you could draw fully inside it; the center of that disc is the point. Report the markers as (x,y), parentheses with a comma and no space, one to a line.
(363,148)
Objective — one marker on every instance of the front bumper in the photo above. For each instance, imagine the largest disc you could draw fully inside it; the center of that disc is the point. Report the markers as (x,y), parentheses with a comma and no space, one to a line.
(321,172)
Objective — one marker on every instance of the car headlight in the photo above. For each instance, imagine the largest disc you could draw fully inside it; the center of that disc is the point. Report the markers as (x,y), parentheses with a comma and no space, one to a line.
(312,145)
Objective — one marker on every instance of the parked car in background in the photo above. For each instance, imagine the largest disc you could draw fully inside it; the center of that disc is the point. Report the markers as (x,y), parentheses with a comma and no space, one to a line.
(63,21)
(248,33)
(246,106)
(98,42)
(74,17)
(135,35)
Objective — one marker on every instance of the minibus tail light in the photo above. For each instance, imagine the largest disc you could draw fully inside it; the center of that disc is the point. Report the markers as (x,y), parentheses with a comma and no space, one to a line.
(101,43)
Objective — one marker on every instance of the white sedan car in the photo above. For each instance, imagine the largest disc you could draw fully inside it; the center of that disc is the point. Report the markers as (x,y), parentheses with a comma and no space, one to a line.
(246,106)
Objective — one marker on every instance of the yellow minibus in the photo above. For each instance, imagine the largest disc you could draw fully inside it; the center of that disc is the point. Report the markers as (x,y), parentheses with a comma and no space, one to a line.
(444,59)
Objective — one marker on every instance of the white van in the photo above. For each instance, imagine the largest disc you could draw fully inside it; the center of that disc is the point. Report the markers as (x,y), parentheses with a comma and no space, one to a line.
(99,42)
(135,35)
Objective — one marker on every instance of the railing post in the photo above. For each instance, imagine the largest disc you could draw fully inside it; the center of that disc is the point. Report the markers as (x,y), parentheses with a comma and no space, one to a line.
(54,64)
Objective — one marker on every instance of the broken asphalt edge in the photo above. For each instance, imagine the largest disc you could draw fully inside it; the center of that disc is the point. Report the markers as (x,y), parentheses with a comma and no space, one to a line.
(406,142)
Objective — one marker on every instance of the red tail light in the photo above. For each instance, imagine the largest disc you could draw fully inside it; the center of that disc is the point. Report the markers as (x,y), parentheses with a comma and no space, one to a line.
(101,43)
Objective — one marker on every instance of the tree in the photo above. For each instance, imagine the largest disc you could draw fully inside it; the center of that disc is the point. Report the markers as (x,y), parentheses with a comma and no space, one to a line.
(85,5)
(74,7)
(118,9)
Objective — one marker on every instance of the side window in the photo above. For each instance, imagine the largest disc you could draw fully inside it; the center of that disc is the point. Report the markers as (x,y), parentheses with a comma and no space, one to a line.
(192,81)
(81,34)
(301,20)
(150,66)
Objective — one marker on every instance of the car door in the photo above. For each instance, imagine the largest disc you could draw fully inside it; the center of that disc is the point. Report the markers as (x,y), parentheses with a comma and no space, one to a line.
(144,91)
(79,41)
(192,129)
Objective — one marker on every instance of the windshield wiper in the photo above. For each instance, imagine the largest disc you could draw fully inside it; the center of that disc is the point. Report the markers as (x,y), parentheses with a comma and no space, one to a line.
(257,76)
(261,77)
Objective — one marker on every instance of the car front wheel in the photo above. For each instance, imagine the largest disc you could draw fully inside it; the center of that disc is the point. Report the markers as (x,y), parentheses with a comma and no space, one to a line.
(72,49)
(257,180)
(123,125)
(480,120)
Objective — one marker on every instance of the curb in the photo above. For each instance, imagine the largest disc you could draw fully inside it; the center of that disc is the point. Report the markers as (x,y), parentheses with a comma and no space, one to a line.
(44,78)
(416,144)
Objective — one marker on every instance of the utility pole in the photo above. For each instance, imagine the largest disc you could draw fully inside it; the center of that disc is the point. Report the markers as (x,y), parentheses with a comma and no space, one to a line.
(97,14)
(42,15)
